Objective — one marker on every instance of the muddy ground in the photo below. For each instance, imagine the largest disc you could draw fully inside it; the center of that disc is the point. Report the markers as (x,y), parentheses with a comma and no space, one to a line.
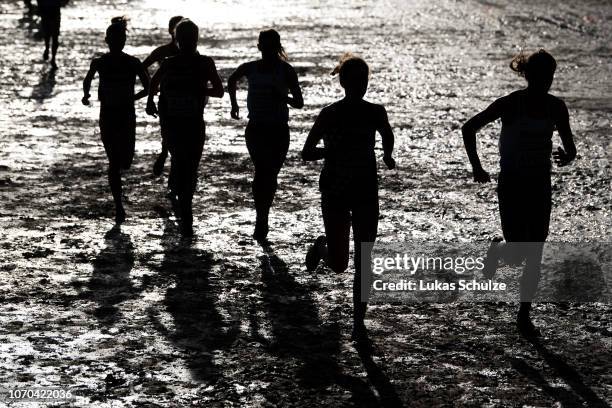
(139,317)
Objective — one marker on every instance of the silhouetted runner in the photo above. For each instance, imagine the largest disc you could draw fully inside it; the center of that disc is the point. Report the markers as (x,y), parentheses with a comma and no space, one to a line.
(157,57)
(183,82)
(118,72)
(349,181)
(50,21)
(529,117)
(267,134)
(29,7)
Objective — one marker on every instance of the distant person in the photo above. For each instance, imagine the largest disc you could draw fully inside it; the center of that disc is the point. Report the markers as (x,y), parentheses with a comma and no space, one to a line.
(50,21)
(157,57)
(29,7)
(183,81)
(529,117)
(349,180)
(118,72)
(270,79)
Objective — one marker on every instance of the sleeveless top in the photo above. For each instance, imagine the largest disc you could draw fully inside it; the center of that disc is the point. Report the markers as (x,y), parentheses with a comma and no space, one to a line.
(349,168)
(118,74)
(525,144)
(267,94)
(182,87)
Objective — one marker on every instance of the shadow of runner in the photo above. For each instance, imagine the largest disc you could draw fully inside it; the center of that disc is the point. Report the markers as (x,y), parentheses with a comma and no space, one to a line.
(110,282)
(379,380)
(199,329)
(299,334)
(569,375)
(579,392)
(44,88)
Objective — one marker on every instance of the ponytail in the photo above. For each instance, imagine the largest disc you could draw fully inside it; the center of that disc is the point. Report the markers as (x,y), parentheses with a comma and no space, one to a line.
(539,62)
(519,63)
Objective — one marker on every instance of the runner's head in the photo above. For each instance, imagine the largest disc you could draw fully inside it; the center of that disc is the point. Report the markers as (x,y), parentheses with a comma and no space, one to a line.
(186,34)
(116,33)
(270,45)
(172,25)
(538,69)
(354,75)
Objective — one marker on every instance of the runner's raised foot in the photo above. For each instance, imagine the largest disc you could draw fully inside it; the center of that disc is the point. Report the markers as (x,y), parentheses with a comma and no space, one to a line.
(158,166)
(492,259)
(315,253)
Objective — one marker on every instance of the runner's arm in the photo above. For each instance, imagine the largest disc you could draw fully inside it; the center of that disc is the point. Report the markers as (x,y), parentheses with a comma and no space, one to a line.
(296,100)
(564,156)
(151,59)
(388,139)
(143,75)
(469,129)
(153,89)
(311,152)
(231,88)
(217,86)
(93,68)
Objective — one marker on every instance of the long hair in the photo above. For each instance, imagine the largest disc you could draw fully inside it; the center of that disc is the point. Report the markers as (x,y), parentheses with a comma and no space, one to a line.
(540,62)
(117,31)
(272,40)
(351,64)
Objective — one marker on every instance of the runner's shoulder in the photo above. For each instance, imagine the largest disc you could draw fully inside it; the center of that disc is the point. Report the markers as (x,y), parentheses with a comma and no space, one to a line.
(512,97)
(133,60)
(330,110)
(374,109)
(287,66)
(558,106)
(206,60)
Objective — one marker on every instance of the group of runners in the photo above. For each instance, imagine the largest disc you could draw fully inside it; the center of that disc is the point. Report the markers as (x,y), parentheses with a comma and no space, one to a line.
(347,129)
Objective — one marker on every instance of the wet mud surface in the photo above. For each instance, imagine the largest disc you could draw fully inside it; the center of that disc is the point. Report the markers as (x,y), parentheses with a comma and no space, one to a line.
(139,317)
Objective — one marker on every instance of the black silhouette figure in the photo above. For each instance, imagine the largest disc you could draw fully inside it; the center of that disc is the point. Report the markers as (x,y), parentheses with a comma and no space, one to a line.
(529,117)
(348,183)
(118,72)
(50,21)
(267,134)
(29,7)
(183,82)
(156,57)
(29,22)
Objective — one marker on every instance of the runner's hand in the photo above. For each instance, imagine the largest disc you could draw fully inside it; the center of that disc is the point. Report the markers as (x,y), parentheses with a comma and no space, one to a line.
(85,100)
(235,113)
(481,176)
(561,157)
(389,161)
